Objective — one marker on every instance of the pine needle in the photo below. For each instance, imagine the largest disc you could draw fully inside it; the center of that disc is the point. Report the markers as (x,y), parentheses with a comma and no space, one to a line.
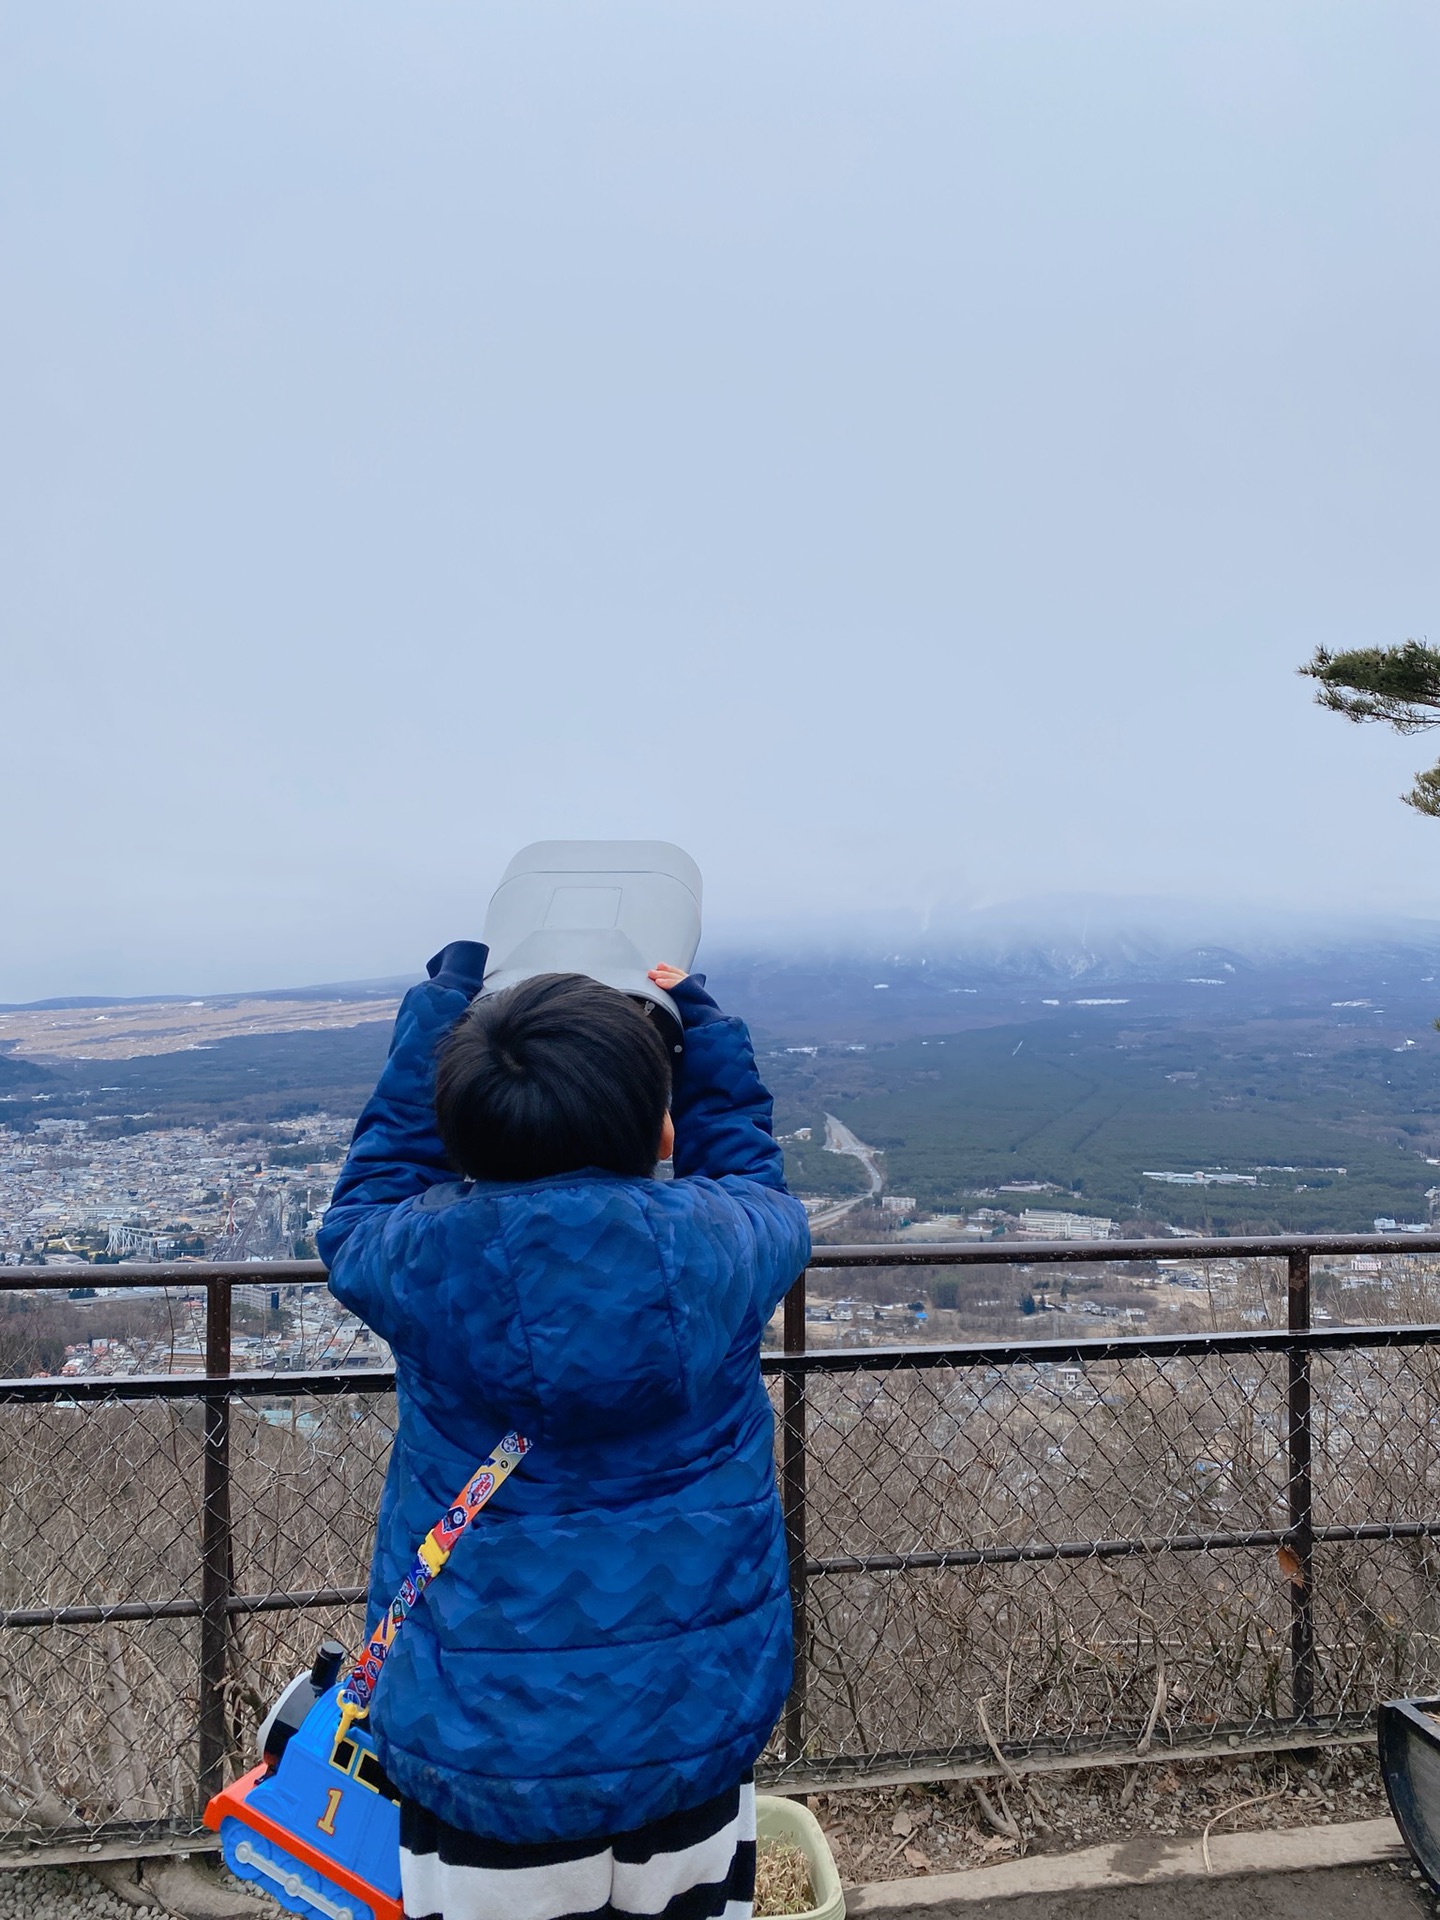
(782,1880)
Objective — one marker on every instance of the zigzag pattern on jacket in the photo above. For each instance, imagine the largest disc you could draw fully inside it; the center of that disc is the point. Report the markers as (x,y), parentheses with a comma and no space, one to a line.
(611,1642)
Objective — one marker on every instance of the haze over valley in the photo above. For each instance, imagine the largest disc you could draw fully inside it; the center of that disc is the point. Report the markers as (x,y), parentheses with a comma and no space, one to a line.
(1157,1085)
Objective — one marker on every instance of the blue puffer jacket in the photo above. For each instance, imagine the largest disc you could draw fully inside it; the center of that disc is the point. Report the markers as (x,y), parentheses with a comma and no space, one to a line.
(611,1641)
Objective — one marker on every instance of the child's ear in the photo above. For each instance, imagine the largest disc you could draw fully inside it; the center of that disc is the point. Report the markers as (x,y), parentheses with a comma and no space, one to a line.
(667,1138)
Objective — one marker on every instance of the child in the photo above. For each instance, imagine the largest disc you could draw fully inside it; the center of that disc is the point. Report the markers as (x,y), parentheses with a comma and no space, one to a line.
(571,1715)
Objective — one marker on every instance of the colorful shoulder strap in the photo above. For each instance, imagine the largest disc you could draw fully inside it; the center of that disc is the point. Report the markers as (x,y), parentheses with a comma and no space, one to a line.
(435,1549)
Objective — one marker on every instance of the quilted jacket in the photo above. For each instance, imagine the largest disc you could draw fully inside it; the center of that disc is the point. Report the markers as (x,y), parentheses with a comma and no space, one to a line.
(611,1641)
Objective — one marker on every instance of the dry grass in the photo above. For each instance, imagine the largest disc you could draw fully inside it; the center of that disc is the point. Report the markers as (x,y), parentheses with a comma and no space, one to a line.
(782,1880)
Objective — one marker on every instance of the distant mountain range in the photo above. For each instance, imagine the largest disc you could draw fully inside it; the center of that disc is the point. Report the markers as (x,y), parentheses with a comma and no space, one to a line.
(1072,937)
(905,972)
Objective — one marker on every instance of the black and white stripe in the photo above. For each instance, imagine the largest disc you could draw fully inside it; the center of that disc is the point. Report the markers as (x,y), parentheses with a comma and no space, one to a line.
(695,1865)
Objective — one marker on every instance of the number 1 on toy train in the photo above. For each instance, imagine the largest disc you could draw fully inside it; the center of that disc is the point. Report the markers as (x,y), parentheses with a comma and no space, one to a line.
(326,1822)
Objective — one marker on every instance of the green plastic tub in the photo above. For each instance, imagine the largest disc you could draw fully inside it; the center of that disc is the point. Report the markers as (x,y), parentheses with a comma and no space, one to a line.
(790,1824)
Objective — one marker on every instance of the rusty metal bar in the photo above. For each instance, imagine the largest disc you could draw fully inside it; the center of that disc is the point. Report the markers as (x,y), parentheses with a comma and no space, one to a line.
(793,1503)
(1154,1545)
(62,1390)
(238,1603)
(943,1253)
(964,1253)
(192,1274)
(1301,1493)
(1098,1349)
(215,1544)
(1145,1545)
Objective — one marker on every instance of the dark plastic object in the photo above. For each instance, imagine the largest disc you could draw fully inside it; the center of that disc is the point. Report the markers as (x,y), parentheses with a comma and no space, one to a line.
(326,1670)
(1410,1767)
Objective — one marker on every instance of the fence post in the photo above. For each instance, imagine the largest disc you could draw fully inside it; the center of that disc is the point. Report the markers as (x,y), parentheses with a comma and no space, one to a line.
(215,1561)
(792,1500)
(1301,1497)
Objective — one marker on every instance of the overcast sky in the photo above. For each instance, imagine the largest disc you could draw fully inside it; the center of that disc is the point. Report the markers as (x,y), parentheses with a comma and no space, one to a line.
(899,451)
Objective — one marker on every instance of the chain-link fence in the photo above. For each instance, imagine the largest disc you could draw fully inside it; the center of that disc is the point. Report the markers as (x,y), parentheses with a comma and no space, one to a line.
(1062,1552)
(123,1706)
(1078,1552)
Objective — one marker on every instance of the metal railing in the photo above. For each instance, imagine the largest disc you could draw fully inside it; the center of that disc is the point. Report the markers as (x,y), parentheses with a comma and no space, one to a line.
(1209,1383)
(1062,1552)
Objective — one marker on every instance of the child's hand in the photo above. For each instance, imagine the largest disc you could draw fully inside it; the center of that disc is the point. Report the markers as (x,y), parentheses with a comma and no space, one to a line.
(666,977)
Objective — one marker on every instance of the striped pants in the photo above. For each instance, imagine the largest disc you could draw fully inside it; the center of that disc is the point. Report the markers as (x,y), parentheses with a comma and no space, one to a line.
(696,1865)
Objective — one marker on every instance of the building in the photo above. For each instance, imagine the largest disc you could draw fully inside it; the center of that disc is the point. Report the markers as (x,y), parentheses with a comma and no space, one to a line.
(1040,1223)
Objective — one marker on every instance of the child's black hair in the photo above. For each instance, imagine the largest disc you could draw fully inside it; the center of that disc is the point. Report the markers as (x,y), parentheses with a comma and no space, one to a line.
(552,1075)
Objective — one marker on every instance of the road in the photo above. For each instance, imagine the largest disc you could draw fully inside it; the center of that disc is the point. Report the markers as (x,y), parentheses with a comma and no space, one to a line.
(839,1139)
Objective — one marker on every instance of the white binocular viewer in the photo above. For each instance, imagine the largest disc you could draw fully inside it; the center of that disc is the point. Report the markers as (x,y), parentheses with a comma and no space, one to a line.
(612,909)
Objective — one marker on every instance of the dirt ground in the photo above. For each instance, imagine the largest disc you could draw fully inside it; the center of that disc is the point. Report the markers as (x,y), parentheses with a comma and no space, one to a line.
(888,1834)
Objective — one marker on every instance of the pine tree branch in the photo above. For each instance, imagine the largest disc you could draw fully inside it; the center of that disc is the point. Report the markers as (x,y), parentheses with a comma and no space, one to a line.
(1424,796)
(1399,686)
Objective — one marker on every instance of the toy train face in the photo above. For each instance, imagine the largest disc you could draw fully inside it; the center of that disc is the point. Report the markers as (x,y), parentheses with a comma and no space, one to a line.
(318,1829)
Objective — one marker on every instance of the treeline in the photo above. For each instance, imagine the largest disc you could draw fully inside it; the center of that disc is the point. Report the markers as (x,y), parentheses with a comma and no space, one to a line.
(1090,1109)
